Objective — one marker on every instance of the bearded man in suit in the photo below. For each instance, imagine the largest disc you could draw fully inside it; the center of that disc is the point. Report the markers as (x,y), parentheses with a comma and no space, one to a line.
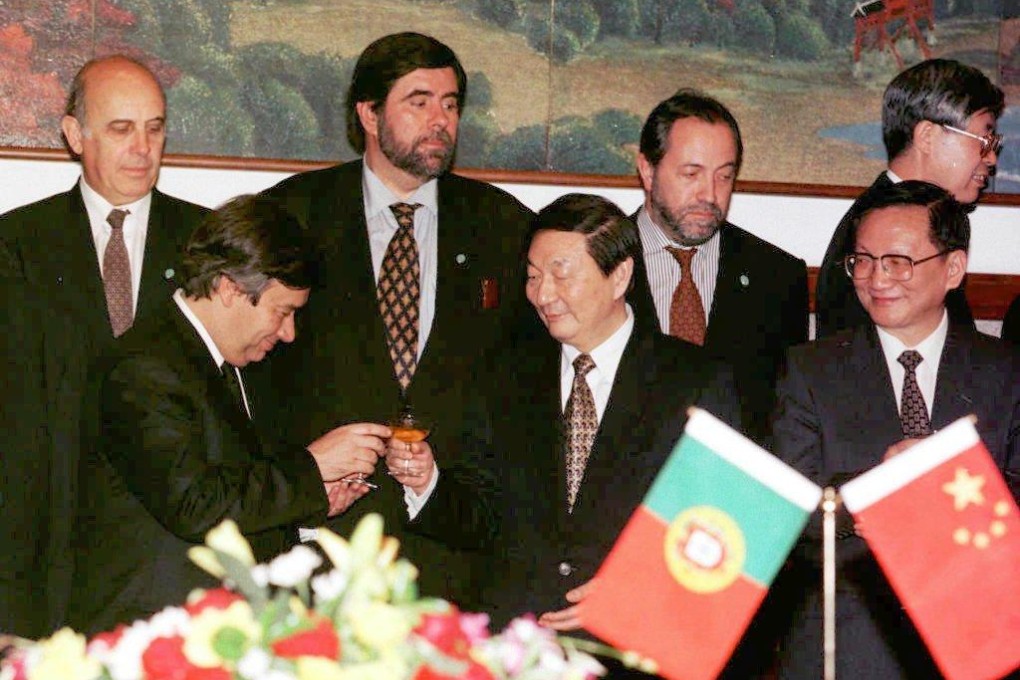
(97,257)
(398,221)
(699,277)
(938,124)
(867,393)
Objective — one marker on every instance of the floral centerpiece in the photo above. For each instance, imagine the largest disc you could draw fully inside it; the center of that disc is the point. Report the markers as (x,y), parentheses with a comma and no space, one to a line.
(360,620)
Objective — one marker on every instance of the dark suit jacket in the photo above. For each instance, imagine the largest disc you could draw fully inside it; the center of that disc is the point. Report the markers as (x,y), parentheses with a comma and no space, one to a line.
(751,324)
(836,303)
(170,455)
(1011,322)
(53,254)
(339,369)
(658,378)
(836,416)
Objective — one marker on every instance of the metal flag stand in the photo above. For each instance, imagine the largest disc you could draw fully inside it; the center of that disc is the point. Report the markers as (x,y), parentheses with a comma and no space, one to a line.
(830,502)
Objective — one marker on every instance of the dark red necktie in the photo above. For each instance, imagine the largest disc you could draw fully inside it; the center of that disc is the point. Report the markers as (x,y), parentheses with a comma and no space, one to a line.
(117,276)
(686,313)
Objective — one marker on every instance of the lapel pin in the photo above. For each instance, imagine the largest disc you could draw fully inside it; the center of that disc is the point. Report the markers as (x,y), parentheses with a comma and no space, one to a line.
(461,258)
(169,274)
(744,281)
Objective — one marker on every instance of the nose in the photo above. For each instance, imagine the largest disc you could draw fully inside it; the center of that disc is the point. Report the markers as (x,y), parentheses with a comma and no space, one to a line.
(439,116)
(879,276)
(707,189)
(142,144)
(287,332)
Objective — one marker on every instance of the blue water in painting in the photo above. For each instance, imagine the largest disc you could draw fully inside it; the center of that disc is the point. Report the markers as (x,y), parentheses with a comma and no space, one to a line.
(1007,178)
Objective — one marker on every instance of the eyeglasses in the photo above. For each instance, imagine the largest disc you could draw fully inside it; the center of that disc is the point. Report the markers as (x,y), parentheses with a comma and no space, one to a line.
(861,266)
(990,143)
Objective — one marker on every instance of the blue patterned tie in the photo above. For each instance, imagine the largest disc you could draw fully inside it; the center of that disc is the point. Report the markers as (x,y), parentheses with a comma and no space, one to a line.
(582,423)
(913,412)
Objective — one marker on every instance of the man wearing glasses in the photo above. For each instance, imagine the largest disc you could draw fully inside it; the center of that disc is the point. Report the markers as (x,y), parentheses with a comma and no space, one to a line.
(938,125)
(848,402)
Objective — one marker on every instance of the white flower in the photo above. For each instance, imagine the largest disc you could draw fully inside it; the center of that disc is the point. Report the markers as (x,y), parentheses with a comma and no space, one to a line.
(328,586)
(293,567)
(254,664)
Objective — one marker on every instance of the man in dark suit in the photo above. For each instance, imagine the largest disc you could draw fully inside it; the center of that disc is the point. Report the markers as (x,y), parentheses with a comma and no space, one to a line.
(938,125)
(362,359)
(172,450)
(95,274)
(582,419)
(747,300)
(867,393)
(1011,322)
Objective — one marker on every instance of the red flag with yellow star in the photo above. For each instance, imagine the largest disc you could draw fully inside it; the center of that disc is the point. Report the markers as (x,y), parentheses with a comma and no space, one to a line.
(946,531)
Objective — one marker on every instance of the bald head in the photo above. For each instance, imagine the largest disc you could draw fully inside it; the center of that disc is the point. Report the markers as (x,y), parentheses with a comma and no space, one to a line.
(116,124)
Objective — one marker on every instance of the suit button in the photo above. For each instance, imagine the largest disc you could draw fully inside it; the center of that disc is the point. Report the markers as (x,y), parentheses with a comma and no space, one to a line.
(565,569)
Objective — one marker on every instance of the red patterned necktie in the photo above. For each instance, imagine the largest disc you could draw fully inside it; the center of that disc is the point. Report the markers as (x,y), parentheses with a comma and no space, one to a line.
(582,422)
(913,412)
(398,292)
(686,313)
(117,276)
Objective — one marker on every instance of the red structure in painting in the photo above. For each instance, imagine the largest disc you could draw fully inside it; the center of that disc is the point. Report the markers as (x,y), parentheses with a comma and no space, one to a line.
(880,23)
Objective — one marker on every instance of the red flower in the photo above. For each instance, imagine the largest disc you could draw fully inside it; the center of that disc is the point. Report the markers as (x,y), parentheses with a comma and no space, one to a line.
(446,633)
(218,598)
(164,660)
(319,641)
(475,671)
(110,637)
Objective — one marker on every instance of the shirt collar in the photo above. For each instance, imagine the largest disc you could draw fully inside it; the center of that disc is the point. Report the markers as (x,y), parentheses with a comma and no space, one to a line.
(379,198)
(214,351)
(893,177)
(654,239)
(930,348)
(607,355)
(98,205)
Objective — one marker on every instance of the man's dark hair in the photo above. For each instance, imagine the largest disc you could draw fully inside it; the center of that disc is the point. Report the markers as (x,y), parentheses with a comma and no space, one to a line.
(252,240)
(386,61)
(942,91)
(611,236)
(948,221)
(75,104)
(686,103)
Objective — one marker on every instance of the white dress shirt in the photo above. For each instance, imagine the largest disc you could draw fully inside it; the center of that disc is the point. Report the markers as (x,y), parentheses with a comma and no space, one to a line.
(136,226)
(382,225)
(664,271)
(927,371)
(607,359)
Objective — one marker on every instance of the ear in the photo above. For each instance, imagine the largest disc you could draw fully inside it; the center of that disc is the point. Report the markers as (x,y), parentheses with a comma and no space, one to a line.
(72,133)
(957,267)
(646,171)
(621,277)
(369,118)
(923,138)
(228,292)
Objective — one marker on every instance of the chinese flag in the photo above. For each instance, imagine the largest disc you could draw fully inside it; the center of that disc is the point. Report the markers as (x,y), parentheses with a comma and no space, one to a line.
(946,531)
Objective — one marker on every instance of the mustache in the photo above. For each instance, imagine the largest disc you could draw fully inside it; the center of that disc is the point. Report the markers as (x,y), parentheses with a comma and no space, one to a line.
(703,206)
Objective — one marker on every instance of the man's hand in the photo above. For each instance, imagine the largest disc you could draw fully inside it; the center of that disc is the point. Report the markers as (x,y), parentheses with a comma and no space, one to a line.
(351,449)
(342,495)
(410,463)
(899,447)
(568,619)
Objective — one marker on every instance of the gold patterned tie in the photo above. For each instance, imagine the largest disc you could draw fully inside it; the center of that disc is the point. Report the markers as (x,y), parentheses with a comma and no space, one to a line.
(686,313)
(398,292)
(117,276)
(582,423)
(914,418)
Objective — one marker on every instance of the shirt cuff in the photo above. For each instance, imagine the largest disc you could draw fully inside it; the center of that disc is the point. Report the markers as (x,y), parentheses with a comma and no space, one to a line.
(414,502)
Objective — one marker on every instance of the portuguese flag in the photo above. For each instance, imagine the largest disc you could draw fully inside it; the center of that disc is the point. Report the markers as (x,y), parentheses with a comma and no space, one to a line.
(697,557)
(945,529)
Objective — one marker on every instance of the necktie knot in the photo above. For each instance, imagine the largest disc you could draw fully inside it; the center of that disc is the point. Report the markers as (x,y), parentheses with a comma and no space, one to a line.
(583,365)
(116,218)
(404,212)
(910,359)
(683,256)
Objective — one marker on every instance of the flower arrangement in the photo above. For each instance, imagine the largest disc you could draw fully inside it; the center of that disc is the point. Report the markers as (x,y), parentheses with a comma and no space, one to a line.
(360,620)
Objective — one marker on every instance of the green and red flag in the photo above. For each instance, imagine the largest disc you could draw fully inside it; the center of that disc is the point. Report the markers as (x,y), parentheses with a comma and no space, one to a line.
(697,557)
(945,529)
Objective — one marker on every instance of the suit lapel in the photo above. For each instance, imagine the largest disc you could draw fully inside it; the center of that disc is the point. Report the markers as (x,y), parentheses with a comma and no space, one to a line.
(729,290)
(952,387)
(870,395)
(161,257)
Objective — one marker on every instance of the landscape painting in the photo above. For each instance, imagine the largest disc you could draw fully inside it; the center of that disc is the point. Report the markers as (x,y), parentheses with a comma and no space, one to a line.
(555,86)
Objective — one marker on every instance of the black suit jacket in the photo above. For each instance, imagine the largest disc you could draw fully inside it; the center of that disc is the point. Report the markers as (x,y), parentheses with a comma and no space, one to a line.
(339,369)
(1011,322)
(836,416)
(170,455)
(544,551)
(836,303)
(760,308)
(54,258)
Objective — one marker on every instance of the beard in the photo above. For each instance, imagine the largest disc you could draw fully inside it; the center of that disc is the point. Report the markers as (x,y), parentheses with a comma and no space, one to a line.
(411,159)
(681,225)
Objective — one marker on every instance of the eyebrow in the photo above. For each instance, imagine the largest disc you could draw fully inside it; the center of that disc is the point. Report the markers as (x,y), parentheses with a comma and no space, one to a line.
(429,93)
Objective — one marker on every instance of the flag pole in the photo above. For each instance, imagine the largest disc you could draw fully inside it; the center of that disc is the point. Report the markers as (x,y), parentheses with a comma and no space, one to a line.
(830,501)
